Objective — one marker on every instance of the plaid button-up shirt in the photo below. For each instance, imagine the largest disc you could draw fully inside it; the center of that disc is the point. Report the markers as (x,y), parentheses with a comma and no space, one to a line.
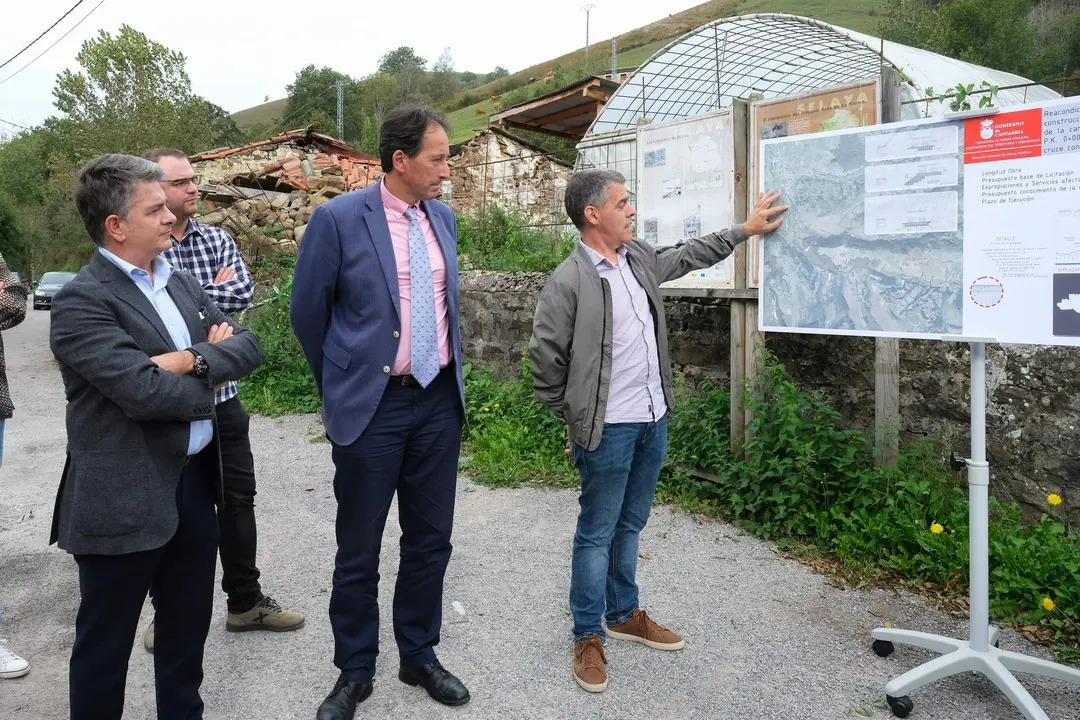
(202,252)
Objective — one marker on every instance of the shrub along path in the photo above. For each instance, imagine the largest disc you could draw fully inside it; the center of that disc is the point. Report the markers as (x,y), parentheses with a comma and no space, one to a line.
(766,636)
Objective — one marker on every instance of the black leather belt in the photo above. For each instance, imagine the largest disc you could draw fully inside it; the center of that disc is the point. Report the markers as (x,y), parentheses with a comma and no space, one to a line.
(403,381)
(410,381)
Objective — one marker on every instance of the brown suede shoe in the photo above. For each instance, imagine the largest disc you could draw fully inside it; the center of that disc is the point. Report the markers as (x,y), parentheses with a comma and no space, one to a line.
(643,629)
(590,664)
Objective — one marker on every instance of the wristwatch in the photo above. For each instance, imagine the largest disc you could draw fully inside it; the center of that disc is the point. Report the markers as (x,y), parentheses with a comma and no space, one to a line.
(201,366)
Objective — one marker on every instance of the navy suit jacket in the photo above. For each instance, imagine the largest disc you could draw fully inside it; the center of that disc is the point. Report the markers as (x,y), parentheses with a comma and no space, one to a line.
(345,307)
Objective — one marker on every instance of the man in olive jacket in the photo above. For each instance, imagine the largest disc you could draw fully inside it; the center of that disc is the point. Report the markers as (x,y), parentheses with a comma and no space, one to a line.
(600,359)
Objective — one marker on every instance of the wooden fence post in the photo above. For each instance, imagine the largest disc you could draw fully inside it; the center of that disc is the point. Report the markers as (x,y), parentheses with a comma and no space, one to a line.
(887,350)
(740,110)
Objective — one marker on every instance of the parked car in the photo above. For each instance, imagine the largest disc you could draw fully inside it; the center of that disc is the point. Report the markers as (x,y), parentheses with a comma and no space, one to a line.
(47,287)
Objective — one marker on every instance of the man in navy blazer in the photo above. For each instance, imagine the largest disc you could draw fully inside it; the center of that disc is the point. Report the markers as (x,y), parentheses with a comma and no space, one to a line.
(375,307)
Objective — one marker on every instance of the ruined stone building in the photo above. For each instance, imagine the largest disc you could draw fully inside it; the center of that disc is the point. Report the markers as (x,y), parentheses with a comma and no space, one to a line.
(264,192)
(498,169)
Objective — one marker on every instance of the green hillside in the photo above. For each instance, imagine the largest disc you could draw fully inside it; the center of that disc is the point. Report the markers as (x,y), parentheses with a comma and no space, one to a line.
(635,47)
(260,114)
(643,43)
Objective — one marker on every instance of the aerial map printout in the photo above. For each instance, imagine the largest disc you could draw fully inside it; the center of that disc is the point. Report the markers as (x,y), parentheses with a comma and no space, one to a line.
(686,177)
(822,110)
(929,228)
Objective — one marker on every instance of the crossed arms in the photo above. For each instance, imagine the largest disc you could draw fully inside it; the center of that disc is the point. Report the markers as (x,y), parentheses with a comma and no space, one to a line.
(87,337)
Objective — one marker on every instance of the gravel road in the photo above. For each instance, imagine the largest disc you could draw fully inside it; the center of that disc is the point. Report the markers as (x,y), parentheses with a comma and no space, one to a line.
(766,637)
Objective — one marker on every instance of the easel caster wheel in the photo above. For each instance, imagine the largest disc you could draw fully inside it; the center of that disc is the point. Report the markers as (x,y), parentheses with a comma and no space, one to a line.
(883,648)
(900,706)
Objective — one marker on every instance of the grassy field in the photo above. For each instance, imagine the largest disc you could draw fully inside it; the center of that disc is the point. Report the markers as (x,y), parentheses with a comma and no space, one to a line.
(636,47)
(466,121)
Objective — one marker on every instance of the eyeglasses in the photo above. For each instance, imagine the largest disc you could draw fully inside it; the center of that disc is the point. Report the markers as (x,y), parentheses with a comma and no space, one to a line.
(181,182)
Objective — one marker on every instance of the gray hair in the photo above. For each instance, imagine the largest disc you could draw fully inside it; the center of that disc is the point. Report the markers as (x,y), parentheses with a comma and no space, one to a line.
(588,187)
(106,186)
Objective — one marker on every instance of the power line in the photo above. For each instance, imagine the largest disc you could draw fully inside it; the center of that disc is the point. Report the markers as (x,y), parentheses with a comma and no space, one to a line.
(13,124)
(77,4)
(54,44)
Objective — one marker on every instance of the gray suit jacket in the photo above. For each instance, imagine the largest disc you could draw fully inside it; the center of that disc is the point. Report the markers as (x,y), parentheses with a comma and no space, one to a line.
(128,421)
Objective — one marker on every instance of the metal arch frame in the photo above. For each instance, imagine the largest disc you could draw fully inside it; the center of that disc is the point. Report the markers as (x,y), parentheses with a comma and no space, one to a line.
(634,90)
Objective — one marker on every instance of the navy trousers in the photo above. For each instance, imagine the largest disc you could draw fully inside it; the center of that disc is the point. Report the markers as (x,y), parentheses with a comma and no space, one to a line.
(411,447)
(113,588)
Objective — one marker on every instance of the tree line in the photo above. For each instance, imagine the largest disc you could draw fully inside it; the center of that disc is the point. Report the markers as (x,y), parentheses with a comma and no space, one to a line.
(402,77)
(130,93)
(1036,39)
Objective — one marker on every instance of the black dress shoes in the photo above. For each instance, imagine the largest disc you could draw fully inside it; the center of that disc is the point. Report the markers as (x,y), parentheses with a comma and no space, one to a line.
(438,681)
(341,703)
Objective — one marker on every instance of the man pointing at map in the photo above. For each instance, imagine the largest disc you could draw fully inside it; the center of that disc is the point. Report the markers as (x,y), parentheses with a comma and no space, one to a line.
(600,359)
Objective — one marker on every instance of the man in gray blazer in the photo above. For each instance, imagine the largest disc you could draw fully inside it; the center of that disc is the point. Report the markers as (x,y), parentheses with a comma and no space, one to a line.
(141,350)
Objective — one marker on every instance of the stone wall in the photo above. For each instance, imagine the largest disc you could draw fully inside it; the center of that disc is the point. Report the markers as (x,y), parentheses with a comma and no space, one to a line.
(1033,393)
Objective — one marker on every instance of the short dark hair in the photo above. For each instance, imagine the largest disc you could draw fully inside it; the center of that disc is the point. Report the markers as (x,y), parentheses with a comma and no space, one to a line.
(404,128)
(106,186)
(158,153)
(588,187)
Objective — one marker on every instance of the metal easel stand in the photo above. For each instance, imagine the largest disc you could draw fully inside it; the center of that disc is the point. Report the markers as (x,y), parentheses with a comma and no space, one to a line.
(979,653)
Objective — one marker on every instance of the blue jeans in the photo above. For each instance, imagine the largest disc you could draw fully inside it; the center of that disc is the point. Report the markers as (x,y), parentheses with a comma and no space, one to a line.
(618,484)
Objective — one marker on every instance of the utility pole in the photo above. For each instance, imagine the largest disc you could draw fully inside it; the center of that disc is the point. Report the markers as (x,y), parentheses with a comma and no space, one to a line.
(614,55)
(587,8)
(341,109)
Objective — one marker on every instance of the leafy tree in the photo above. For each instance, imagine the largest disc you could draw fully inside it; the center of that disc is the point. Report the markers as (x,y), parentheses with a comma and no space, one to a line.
(443,83)
(497,73)
(369,138)
(407,68)
(1034,39)
(401,60)
(133,93)
(14,245)
(379,94)
(126,95)
(313,98)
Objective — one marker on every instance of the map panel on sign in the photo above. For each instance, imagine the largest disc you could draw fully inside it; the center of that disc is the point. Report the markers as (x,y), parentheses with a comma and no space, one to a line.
(905,214)
(940,172)
(860,256)
(915,143)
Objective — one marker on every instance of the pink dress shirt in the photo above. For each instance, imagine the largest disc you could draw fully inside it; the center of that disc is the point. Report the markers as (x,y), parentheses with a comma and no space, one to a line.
(399,233)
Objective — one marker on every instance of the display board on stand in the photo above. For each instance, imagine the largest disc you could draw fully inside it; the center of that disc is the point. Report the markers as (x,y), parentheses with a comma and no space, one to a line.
(685,187)
(966,229)
(925,228)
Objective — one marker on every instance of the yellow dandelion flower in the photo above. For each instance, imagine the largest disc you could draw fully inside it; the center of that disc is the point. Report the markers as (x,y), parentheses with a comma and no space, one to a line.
(937,528)
(1053,499)
(497,406)
(487,409)
(1048,603)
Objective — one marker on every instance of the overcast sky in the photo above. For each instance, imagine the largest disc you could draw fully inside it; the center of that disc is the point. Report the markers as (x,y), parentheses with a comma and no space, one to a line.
(240,52)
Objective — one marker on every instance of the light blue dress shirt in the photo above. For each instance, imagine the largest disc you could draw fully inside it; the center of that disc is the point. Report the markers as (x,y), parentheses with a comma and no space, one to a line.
(202,431)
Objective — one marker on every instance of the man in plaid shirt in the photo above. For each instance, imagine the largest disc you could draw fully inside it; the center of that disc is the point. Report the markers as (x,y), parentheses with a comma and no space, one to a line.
(210,255)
